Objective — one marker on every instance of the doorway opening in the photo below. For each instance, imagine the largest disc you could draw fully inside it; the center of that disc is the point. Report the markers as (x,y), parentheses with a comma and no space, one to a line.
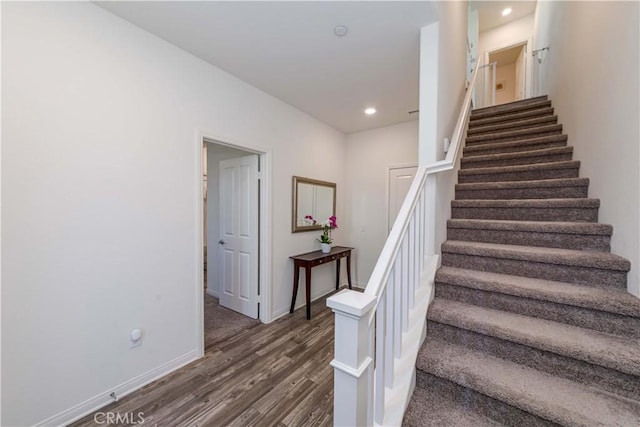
(234,290)
(511,74)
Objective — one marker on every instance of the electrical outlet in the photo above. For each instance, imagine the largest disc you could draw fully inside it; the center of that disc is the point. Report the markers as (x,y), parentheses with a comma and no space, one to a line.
(135,338)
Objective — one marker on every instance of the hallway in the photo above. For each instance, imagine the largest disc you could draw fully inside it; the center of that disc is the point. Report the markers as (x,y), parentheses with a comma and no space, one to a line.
(251,374)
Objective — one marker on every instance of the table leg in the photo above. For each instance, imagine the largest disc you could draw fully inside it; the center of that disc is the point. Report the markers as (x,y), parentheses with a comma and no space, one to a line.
(308,286)
(296,279)
(349,269)
(337,274)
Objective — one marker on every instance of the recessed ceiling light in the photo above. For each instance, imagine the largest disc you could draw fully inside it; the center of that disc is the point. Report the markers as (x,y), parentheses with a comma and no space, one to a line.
(369,111)
(506,11)
(340,31)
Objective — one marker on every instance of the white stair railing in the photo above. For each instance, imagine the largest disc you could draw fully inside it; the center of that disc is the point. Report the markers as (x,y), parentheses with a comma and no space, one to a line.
(378,333)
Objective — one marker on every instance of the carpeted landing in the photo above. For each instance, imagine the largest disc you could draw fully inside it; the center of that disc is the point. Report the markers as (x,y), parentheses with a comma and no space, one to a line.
(531,324)
(220,323)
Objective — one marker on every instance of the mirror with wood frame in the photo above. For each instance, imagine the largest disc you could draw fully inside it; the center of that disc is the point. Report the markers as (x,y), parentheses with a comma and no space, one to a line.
(311,198)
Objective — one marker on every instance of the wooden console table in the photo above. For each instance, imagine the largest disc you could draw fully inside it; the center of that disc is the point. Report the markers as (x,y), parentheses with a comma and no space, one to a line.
(312,259)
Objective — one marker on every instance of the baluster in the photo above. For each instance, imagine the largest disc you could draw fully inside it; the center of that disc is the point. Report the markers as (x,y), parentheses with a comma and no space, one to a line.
(397,309)
(381,317)
(389,329)
(421,234)
(405,283)
(431,215)
(423,218)
(412,262)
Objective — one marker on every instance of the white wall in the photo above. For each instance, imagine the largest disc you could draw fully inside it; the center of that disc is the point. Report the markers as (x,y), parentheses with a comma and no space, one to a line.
(216,153)
(369,156)
(99,192)
(507,34)
(443,50)
(473,39)
(451,92)
(451,68)
(592,72)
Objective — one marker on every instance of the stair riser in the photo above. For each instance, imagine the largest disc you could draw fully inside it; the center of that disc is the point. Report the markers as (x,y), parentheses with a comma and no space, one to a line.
(514,149)
(576,370)
(562,273)
(532,123)
(577,316)
(497,410)
(500,110)
(514,104)
(524,193)
(562,157)
(527,214)
(588,242)
(506,137)
(509,118)
(532,175)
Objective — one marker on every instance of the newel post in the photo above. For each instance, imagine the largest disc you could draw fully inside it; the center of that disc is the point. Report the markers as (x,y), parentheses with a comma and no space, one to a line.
(352,362)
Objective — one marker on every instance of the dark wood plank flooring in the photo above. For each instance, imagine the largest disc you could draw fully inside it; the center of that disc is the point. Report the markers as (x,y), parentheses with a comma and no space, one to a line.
(259,375)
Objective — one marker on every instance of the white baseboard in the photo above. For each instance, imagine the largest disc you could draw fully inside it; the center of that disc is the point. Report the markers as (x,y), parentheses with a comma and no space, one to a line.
(284,311)
(212,293)
(93,404)
(359,285)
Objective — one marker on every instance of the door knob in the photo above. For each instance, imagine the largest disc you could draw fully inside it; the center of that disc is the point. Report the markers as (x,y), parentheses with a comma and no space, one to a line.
(221,242)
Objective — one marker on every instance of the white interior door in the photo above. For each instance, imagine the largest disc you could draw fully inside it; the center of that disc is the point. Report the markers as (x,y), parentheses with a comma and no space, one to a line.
(400,180)
(238,244)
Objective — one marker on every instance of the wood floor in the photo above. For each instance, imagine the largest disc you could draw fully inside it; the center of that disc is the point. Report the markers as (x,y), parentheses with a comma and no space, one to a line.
(261,375)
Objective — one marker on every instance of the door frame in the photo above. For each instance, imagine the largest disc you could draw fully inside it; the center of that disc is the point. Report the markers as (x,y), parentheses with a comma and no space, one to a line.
(528,42)
(265,226)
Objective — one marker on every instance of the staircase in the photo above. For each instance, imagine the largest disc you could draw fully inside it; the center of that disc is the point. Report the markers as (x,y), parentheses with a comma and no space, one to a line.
(531,322)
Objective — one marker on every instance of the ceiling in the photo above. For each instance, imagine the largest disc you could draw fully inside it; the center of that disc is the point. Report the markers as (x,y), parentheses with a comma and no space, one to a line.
(490,12)
(505,56)
(289,50)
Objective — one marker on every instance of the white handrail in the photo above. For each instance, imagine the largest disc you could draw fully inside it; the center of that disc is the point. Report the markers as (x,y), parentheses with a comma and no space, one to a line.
(374,364)
(381,270)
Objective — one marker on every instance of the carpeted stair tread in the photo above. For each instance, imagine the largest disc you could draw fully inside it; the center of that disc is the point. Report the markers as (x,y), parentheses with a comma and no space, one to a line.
(609,300)
(503,118)
(559,188)
(478,161)
(508,109)
(534,226)
(536,203)
(562,209)
(565,209)
(537,167)
(514,134)
(429,407)
(518,124)
(540,183)
(514,146)
(584,236)
(618,353)
(557,256)
(556,399)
